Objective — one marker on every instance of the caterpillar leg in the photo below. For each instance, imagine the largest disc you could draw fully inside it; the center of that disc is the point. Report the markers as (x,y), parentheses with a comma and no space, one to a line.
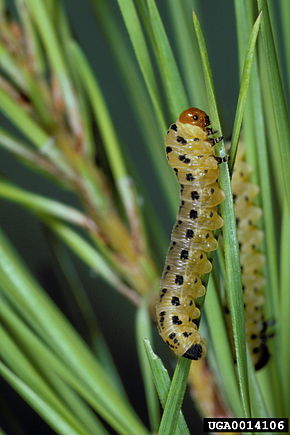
(211,131)
(222,159)
(216,140)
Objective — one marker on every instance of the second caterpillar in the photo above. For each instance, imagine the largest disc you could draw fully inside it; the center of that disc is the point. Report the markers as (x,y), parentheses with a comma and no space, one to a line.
(189,150)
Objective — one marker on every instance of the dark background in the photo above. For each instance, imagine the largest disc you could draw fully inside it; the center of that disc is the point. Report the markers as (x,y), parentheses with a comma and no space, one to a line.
(29,237)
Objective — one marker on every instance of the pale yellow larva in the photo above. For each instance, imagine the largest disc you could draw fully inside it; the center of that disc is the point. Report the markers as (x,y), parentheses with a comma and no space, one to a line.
(252,260)
(190,153)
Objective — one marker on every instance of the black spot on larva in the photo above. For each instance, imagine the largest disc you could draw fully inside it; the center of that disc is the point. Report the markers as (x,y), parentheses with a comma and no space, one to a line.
(237,221)
(212,190)
(190,303)
(181,139)
(175,170)
(207,236)
(163,292)
(179,279)
(256,350)
(254,336)
(241,174)
(193,214)
(172,245)
(187,161)
(184,254)
(211,214)
(265,325)
(172,335)
(194,352)
(168,149)
(170,345)
(206,171)
(175,301)
(175,341)
(201,256)
(162,313)
(250,222)
(246,198)
(189,177)
(189,234)
(181,157)
(168,268)
(176,321)
(186,334)
(174,127)
(196,139)
(253,246)
(234,197)
(194,195)
(181,187)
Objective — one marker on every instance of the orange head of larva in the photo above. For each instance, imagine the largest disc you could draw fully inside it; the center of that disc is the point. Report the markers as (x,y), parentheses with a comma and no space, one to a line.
(194,116)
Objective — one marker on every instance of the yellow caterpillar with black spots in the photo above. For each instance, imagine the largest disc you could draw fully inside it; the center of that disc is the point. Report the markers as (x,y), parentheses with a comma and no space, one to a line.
(252,260)
(189,150)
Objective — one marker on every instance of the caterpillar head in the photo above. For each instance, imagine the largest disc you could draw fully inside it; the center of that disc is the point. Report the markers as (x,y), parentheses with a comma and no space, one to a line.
(194,116)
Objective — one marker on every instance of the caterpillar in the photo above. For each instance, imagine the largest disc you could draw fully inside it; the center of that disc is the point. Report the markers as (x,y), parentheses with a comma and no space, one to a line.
(189,150)
(250,237)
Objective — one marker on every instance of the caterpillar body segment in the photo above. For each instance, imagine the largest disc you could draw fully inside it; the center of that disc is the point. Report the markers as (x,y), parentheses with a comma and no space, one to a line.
(252,261)
(190,153)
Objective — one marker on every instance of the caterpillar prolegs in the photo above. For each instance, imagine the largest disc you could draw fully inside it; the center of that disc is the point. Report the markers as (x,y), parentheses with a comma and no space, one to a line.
(190,153)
